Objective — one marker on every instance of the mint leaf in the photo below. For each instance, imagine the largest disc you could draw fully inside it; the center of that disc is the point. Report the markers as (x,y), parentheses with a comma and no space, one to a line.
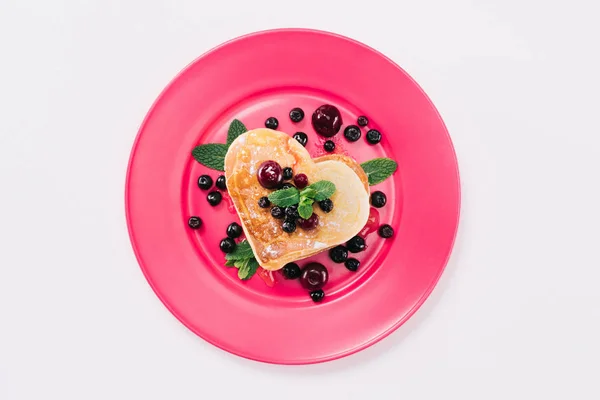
(323,189)
(242,251)
(379,169)
(308,193)
(248,269)
(230,263)
(305,208)
(236,128)
(285,197)
(211,155)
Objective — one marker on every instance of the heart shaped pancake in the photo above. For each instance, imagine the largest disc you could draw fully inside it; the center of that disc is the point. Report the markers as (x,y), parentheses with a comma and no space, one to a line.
(273,248)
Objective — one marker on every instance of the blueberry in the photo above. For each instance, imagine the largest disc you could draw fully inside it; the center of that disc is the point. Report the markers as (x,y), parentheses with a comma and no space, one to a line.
(288,173)
(352,133)
(205,182)
(329,146)
(277,212)
(234,230)
(291,271)
(378,199)
(221,183)
(264,202)
(291,213)
(301,137)
(373,136)
(195,222)
(362,121)
(326,205)
(272,123)
(288,226)
(214,198)
(338,254)
(386,231)
(356,244)
(297,114)
(317,295)
(352,264)
(227,245)
(286,186)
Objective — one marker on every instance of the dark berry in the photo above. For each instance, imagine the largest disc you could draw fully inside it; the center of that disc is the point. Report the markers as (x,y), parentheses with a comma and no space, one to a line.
(286,186)
(327,120)
(378,199)
(291,271)
(301,137)
(301,181)
(195,222)
(373,136)
(352,133)
(277,212)
(362,121)
(227,245)
(308,224)
(352,264)
(314,276)
(214,198)
(288,173)
(272,123)
(270,174)
(326,205)
(296,115)
(288,226)
(291,213)
(329,146)
(356,244)
(317,295)
(338,254)
(234,230)
(205,182)
(264,202)
(386,231)
(221,183)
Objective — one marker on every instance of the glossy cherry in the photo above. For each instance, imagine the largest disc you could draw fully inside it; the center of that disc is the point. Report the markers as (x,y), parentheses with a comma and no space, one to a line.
(327,120)
(314,276)
(270,174)
(310,223)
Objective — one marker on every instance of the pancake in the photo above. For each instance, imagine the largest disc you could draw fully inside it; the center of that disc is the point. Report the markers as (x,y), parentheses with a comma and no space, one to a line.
(273,248)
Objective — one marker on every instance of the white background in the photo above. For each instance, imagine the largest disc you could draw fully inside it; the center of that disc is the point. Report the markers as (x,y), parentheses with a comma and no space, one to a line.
(516,315)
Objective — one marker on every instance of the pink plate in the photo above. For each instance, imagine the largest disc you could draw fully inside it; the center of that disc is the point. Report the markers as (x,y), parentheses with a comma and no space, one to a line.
(267,74)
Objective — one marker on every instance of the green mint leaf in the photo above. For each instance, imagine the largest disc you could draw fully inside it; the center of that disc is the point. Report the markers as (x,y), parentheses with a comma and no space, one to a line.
(323,189)
(236,128)
(211,155)
(230,263)
(308,193)
(241,263)
(379,169)
(305,209)
(242,251)
(246,271)
(285,197)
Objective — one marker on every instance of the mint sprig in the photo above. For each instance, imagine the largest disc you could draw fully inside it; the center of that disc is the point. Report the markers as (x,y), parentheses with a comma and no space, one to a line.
(212,155)
(379,169)
(242,251)
(305,207)
(243,259)
(318,191)
(285,197)
(323,190)
(236,128)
